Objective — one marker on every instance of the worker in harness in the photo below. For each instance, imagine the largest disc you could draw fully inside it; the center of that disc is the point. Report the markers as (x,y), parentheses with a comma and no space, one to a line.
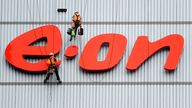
(73,32)
(51,62)
(76,23)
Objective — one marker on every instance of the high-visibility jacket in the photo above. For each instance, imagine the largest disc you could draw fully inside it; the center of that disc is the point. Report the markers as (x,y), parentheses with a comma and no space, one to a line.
(76,18)
(51,61)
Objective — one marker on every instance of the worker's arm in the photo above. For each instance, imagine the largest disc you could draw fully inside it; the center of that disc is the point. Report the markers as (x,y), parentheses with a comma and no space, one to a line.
(57,62)
(55,59)
(48,62)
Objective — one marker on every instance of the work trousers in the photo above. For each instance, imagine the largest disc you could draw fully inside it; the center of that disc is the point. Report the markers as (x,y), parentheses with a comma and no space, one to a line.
(56,73)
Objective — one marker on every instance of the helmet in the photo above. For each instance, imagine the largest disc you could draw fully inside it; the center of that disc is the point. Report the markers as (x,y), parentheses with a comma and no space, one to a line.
(51,54)
(76,13)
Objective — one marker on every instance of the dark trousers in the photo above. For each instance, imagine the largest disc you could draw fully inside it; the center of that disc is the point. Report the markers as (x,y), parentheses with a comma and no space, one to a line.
(72,38)
(76,29)
(56,73)
(77,25)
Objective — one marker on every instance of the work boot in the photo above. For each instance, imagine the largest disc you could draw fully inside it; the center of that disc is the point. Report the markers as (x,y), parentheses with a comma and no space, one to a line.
(45,81)
(59,82)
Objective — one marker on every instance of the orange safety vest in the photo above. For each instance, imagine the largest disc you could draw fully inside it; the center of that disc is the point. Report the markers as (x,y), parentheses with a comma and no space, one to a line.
(76,17)
(51,61)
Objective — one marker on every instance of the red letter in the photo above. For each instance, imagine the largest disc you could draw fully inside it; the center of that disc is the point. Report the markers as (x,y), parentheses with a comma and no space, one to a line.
(71,51)
(117,45)
(143,49)
(20,47)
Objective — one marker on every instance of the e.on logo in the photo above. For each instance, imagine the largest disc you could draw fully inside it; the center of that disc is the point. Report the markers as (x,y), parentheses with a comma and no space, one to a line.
(142,50)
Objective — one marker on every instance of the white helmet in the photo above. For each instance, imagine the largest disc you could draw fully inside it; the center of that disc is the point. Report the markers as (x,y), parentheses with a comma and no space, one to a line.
(77,13)
(51,54)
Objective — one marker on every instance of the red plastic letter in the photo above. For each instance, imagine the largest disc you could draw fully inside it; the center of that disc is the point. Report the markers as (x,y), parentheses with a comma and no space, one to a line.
(117,44)
(143,49)
(20,47)
(71,51)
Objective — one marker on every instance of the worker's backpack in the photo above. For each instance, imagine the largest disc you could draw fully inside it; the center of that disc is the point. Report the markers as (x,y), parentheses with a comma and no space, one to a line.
(69,31)
(80,31)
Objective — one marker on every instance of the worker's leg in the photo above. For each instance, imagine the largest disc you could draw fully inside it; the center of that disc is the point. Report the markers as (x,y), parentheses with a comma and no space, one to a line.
(76,30)
(77,24)
(57,74)
(47,77)
(71,38)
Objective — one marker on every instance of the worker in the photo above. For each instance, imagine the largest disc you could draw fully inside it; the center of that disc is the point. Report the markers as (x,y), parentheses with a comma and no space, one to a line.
(73,33)
(76,21)
(51,62)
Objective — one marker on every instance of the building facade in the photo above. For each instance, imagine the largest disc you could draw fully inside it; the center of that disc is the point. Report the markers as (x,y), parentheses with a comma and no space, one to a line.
(148,87)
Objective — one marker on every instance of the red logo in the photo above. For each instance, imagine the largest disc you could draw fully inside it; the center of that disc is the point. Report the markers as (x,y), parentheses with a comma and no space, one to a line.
(142,50)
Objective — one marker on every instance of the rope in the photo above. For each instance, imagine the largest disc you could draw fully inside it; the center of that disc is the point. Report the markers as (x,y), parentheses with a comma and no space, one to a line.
(86,1)
(33,26)
(40,19)
(113,36)
(82,58)
(50,99)
(114,40)
(50,92)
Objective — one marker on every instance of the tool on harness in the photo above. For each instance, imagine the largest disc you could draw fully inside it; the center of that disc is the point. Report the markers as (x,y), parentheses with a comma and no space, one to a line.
(80,31)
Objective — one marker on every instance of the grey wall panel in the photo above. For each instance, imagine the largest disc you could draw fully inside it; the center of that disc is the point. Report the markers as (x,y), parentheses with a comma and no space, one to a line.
(151,70)
(95,96)
(148,87)
(96,10)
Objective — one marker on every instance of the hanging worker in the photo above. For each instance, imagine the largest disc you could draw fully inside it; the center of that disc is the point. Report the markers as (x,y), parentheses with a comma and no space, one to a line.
(76,21)
(73,33)
(51,62)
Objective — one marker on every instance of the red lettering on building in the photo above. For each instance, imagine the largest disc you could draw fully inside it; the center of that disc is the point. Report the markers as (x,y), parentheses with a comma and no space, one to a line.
(117,44)
(20,47)
(143,49)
